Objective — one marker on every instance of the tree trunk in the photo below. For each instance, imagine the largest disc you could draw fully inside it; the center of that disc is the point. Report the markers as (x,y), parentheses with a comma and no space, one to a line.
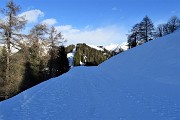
(8,42)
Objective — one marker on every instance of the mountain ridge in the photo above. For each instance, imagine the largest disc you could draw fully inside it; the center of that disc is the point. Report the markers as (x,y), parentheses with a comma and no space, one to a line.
(91,55)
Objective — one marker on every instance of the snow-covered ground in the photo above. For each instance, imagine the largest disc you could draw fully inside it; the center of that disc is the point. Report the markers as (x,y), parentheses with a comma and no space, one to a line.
(111,47)
(96,47)
(70,57)
(142,83)
(117,47)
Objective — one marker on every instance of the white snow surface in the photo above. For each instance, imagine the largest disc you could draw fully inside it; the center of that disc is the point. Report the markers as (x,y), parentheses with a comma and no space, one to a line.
(111,47)
(117,47)
(70,57)
(142,83)
(96,47)
(124,46)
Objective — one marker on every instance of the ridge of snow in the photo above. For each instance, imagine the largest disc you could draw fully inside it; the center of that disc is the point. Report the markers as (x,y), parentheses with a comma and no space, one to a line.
(117,47)
(95,47)
(111,47)
(142,83)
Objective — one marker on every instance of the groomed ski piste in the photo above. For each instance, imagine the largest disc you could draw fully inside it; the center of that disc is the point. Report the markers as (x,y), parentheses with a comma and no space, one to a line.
(142,83)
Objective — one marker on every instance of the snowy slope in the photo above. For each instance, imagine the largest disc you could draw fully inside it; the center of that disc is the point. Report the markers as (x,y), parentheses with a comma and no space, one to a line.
(111,47)
(142,83)
(117,47)
(95,47)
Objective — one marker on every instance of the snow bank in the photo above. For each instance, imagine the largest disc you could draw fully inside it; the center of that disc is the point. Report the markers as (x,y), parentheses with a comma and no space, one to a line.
(95,47)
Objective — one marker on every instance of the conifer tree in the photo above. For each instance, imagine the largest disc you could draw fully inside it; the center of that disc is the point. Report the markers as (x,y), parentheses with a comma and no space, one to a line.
(173,24)
(134,36)
(62,63)
(146,30)
(58,62)
(10,26)
(54,40)
(36,51)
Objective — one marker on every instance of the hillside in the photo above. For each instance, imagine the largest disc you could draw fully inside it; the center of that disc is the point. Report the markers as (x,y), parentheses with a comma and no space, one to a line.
(87,55)
(142,83)
(91,55)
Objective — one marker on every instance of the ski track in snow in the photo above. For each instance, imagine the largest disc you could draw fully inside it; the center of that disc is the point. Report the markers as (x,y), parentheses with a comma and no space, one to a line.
(25,109)
(155,105)
(160,106)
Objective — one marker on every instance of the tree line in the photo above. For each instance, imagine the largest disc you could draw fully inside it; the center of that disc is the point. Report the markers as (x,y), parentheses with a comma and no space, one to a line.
(145,30)
(39,55)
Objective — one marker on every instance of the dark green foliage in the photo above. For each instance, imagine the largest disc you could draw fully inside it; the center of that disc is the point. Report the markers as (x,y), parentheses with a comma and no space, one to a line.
(58,63)
(34,68)
(17,71)
(52,61)
(33,62)
(12,86)
(62,61)
(2,73)
(89,56)
(141,32)
(132,41)
(146,30)
(69,48)
(134,37)
(9,32)
(3,65)
(77,58)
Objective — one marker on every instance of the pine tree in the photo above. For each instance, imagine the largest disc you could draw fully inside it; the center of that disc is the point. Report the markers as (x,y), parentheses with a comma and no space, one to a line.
(10,27)
(146,29)
(173,24)
(134,36)
(36,52)
(62,63)
(54,40)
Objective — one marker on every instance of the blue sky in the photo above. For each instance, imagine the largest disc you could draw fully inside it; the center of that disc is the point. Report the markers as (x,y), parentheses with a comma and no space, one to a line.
(99,22)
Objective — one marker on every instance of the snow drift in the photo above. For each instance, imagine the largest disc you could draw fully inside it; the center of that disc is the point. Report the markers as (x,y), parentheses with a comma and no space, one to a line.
(140,84)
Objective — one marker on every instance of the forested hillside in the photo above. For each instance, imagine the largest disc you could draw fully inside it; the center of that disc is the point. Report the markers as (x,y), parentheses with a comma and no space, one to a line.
(88,56)
(27,59)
